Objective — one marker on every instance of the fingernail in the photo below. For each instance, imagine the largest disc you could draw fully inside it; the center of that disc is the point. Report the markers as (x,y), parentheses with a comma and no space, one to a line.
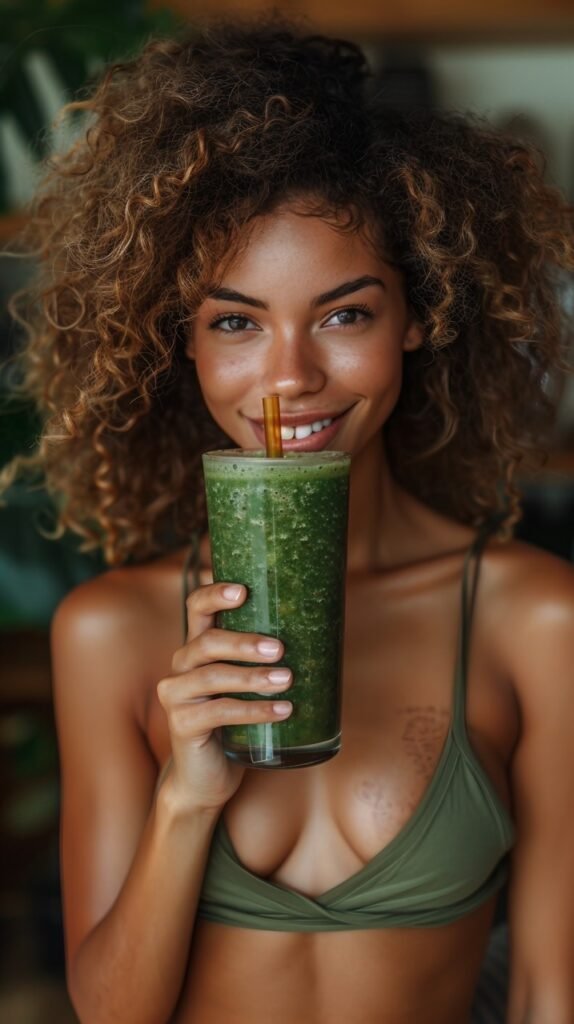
(268,647)
(279,676)
(232,592)
(282,708)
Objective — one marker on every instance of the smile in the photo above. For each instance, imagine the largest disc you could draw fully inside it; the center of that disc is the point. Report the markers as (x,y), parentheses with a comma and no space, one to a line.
(305,430)
(307,437)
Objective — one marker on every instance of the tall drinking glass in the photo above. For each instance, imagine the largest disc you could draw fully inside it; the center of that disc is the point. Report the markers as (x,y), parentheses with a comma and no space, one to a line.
(279,526)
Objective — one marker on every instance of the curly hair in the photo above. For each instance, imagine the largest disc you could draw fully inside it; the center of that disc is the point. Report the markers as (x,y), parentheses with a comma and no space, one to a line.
(186,145)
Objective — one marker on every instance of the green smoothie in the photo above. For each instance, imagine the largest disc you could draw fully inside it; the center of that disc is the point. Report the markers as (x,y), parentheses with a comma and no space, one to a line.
(279,526)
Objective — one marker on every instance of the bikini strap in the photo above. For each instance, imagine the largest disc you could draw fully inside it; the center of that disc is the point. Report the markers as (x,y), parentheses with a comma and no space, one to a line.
(191,562)
(471,568)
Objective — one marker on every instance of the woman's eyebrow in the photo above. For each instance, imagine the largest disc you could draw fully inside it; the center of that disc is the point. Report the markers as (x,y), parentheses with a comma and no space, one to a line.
(230,295)
(347,288)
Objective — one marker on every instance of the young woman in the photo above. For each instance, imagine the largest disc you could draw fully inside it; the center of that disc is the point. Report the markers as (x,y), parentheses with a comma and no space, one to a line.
(243,217)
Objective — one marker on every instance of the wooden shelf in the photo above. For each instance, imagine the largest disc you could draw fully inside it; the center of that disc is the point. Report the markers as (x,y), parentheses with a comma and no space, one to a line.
(515,20)
(10,225)
(25,668)
(558,469)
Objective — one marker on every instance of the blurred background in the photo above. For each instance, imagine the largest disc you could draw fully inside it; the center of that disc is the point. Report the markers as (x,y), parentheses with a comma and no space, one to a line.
(512,62)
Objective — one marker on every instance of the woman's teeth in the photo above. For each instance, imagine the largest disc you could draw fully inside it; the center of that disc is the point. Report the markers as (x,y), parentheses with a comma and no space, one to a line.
(305,430)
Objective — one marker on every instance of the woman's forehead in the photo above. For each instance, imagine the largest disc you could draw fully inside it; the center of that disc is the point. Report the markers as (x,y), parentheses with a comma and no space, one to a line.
(294,232)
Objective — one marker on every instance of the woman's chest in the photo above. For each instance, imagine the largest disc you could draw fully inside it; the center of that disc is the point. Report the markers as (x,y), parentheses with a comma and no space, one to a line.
(312,828)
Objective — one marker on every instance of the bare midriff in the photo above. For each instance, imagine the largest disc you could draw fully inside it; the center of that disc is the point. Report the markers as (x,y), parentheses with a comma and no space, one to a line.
(386,976)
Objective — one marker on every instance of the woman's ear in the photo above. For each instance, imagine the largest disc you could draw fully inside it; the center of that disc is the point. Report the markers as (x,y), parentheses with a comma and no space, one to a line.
(414,336)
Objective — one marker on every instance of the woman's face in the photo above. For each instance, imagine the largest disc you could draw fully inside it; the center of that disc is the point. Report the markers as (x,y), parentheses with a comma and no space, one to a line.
(314,316)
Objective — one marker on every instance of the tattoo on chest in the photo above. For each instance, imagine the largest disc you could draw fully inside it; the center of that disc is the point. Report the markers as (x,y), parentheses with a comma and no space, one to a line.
(423,733)
(394,797)
(387,808)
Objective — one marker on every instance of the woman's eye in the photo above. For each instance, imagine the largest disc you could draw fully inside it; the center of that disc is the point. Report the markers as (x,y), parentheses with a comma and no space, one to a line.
(350,316)
(232,323)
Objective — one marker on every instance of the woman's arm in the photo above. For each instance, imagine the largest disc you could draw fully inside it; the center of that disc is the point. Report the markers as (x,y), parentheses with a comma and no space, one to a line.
(539,631)
(132,864)
(133,859)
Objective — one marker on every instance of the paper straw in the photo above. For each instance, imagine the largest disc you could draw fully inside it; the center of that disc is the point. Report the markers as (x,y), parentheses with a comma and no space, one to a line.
(272,421)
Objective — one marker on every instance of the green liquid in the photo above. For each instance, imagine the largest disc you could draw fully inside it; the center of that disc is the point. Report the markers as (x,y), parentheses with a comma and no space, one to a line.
(279,526)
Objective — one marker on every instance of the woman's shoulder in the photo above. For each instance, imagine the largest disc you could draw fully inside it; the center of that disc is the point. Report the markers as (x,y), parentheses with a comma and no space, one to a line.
(519,582)
(126,622)
(124,594)
(531,597)
(527,577)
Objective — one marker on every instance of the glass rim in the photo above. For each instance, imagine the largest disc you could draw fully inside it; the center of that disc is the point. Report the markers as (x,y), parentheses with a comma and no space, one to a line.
(258,456)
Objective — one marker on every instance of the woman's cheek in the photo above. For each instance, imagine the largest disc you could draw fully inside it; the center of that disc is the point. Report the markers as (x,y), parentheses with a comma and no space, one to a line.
(220,376)
(372,369)
(225,385)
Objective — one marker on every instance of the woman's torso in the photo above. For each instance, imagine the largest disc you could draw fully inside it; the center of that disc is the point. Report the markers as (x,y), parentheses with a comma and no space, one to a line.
(323,824)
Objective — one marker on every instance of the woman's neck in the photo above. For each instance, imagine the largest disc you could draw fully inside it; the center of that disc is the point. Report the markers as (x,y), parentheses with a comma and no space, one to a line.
(388,527)
(372,507)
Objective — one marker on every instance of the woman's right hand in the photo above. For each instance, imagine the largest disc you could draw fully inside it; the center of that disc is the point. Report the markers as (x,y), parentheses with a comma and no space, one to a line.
(198,774)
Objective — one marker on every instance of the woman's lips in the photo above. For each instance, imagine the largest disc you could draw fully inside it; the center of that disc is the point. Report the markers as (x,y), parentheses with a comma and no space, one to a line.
(314,443)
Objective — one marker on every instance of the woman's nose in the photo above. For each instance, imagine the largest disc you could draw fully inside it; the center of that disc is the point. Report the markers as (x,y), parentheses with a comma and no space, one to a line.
(292,368)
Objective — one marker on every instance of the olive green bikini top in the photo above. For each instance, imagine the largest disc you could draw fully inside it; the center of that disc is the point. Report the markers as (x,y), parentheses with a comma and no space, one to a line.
(448,859)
